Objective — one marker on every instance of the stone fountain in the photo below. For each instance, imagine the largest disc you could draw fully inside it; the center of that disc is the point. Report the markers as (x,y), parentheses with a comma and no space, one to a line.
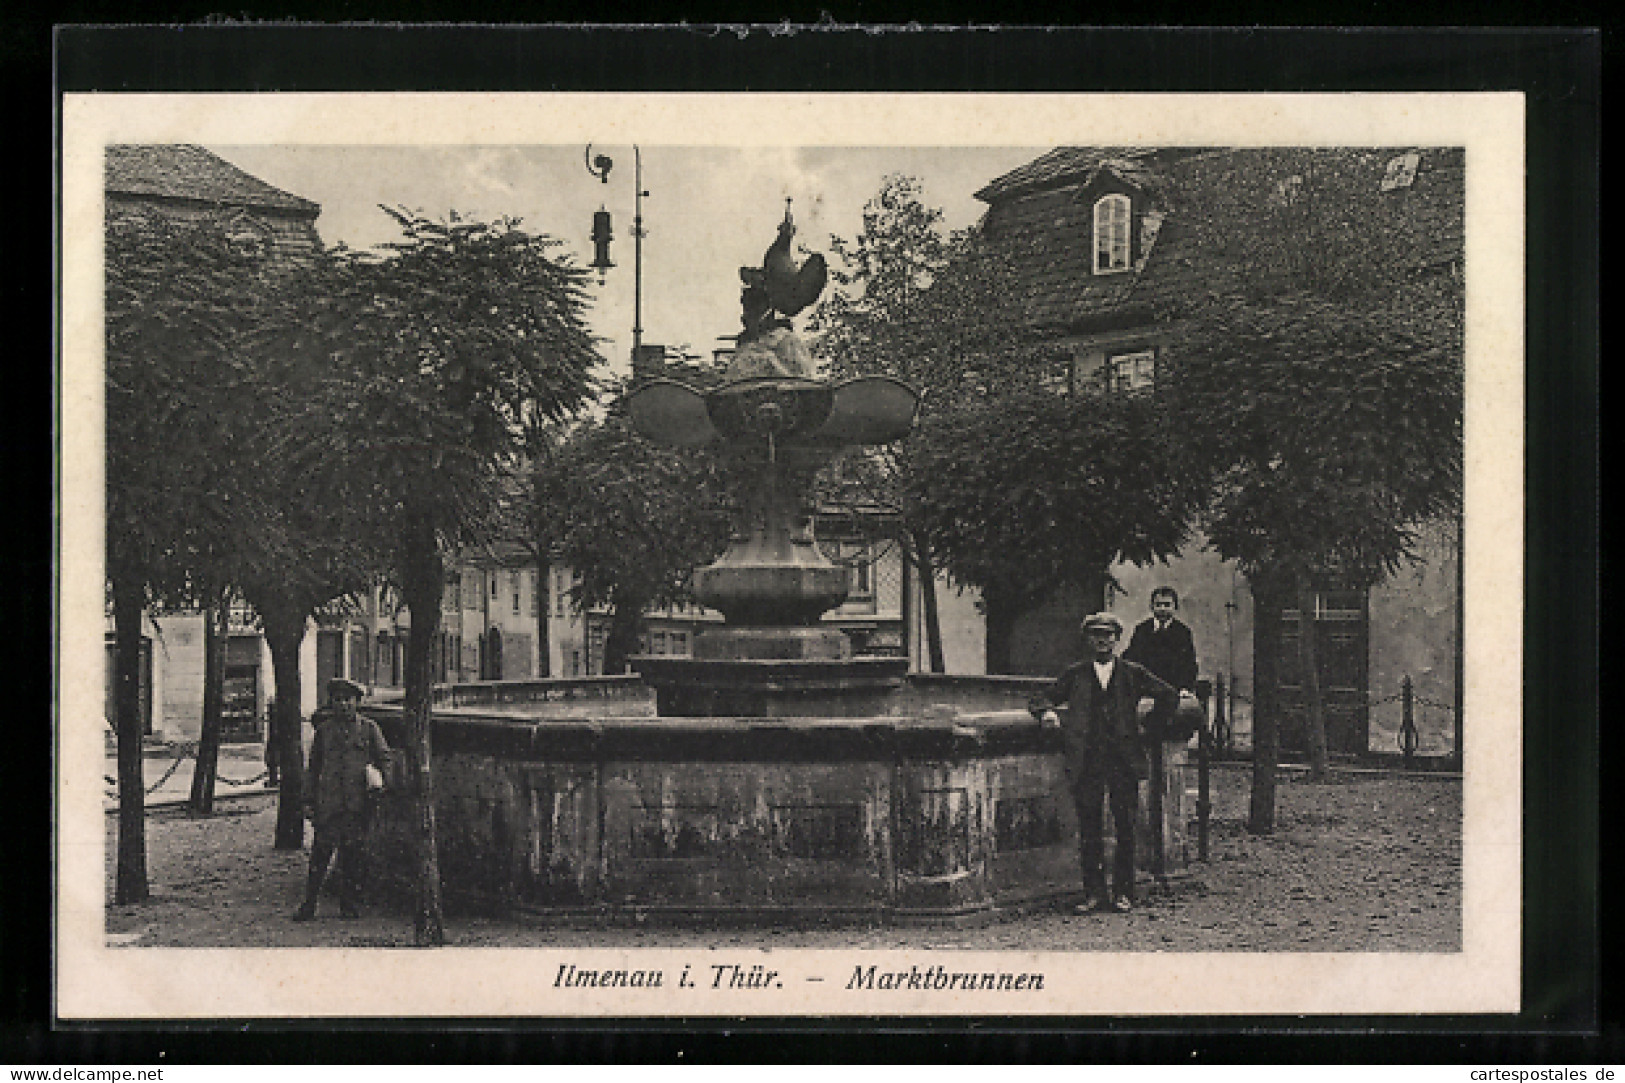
(773,657)
(772,773)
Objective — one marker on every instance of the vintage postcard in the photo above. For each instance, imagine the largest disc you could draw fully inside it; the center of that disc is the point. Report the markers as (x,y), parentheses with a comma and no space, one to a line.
(969,730)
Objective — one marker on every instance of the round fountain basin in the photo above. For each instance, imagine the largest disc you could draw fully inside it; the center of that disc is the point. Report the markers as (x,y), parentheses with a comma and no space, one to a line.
(947,803)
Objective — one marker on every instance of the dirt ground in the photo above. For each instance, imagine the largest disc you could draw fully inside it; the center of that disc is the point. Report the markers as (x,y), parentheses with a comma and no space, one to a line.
(1368,861)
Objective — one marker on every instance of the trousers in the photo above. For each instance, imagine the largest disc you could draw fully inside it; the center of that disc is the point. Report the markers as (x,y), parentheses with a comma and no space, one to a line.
(1121,789)
(349,845)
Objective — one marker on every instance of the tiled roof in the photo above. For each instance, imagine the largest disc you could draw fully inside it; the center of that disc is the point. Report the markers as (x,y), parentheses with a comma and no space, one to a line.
(1048,232)
(1059,166)
(182,171)
(1204,198)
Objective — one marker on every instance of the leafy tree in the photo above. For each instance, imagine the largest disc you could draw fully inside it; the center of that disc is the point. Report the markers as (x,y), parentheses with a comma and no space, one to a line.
(443,350)
(1340,429)
(879,278)
(177,296)
(632,519)
(1319,367)
(1033,488)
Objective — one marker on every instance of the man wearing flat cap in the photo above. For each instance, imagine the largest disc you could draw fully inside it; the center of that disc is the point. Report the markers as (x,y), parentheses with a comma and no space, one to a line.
(1104,739)
(347,761)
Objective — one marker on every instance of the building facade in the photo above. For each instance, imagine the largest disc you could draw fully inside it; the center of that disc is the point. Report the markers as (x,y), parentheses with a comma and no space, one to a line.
(1115,246)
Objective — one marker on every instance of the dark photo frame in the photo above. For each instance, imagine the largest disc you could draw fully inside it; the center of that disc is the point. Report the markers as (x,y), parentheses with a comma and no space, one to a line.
(1556,74)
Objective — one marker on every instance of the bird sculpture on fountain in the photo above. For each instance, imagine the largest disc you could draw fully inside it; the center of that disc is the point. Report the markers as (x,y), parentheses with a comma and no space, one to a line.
(770,396)
(780,287)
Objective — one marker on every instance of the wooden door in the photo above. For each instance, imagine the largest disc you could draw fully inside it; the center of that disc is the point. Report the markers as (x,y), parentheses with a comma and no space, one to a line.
(1342,621)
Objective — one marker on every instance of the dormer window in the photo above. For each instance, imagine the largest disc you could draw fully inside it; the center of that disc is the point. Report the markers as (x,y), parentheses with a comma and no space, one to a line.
(1111,234)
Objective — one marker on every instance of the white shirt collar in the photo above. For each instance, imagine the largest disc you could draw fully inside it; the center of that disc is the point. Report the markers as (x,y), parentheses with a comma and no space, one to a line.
(1103,671)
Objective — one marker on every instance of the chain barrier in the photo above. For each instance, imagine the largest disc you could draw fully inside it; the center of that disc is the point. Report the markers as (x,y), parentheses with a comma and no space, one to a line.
(1408,737)
(1242,697)
(190,748)
(187,749)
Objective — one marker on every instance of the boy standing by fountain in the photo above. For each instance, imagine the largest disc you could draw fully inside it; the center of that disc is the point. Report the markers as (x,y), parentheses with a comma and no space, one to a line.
(347,761)
(1104,738)
(1162,643)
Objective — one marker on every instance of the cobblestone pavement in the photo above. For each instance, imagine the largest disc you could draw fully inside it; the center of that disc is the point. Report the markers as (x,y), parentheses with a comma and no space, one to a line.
(1362,862)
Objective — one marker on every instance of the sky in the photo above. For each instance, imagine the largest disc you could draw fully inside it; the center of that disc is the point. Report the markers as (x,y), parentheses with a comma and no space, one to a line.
(708,212)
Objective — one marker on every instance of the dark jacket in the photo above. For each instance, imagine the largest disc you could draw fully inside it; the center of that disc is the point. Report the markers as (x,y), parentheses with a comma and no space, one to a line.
(1094,749)
(339,755)
(1170,653)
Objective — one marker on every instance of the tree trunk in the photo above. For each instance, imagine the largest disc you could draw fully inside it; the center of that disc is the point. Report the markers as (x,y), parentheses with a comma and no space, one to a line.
(284,632)
(1266,720)
(130,880)
(207,769)
(928,608)
(544,648)
(422,579)
(1309,656)
(625,622)
(1001,611)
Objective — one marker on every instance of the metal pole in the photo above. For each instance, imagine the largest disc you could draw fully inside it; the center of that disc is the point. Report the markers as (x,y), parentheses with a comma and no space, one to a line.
(1227,691)
(1408,738)
(637,255)
(1204,750)
(1159,777)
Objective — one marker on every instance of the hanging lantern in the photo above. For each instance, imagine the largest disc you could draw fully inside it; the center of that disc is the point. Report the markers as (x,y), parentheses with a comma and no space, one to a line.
(601,237)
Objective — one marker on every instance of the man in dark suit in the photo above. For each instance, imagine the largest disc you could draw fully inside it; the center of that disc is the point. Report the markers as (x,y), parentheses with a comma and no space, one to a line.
(1104,738)
(1162,643)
